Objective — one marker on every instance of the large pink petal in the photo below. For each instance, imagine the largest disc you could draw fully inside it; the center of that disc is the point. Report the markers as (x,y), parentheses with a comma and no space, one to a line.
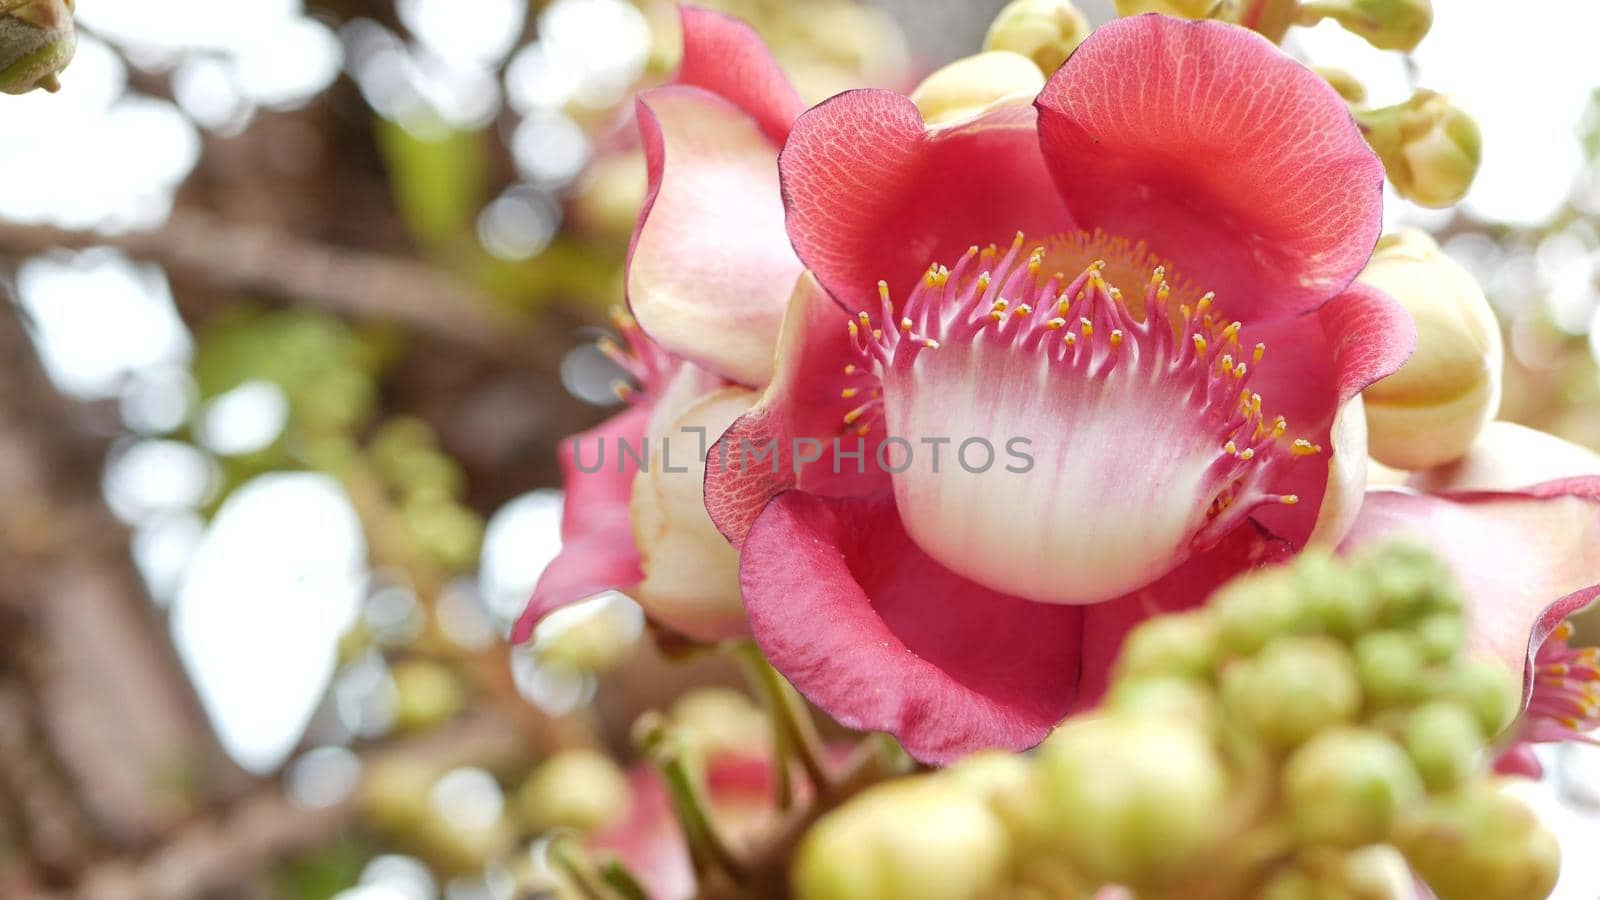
(874,195)
(1526,559)
(885,639)
(1314,364)
(725,56)
(597,549)
(1233,160)
(710,269)
(803,402)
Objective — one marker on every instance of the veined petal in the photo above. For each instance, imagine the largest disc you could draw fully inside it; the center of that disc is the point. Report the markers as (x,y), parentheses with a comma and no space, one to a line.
(726,57)
(597,549)
(873,194)
(1526,559)
(814,387)
(1237,162)
(884,638)
(710,268)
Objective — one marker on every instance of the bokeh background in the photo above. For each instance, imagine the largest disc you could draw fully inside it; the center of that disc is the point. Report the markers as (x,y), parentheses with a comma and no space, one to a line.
(299,301)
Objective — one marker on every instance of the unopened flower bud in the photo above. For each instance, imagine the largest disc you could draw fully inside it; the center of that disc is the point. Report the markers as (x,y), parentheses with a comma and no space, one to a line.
(427,694)
(1134,799)
(1180,699)
(1184,9)
(578,789)
(1490,692)
(972,84)
(1335,594)
(1429,147)
(1392,667)
(1430,412)
(1256,608)
(1010,785)
(1045,31)
(1408,581)
(1296,687)
(713,719)
(1344,787)
(1481,844)
(920,838)
(1345,84)
(1443,740)
(1386,24)
(37,40)
(1183,645)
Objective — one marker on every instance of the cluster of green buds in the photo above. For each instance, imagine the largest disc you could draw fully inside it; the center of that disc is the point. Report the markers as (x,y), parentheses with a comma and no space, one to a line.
(37,40)
(1316,732)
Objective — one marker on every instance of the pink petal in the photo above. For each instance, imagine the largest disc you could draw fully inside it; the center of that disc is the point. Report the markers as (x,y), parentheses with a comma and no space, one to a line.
(873,195)
(803,401)
(1238,163)
(1314,364)
(726,57)
(885,639)
(597,549)
(710,268)
(1526,559)
(649,841)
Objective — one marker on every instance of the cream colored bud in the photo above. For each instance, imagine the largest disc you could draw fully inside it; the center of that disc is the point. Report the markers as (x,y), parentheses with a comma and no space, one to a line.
(1430,148)
(716,719)
(1185,9)
(1045,31)
(1386,24)
(691,573)
(1347,85)
(578,789)
(427,694)
(1430,412)
(1344,787)
(972,84)
(920,838)
(1134,799)
(1481,844)
(37,40)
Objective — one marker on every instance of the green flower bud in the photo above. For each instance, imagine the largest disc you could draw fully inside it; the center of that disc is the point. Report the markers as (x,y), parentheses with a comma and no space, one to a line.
(1347,85)
(1183,645)
(1481,844)
(427,694)
(1386,24)
(1408,580)
(1429,147)
(1443,740)
(37,40)
(1185,9)
(1293,689)
(1167,697)
(1134,799)
(714,719)
(1336,595)
(1256,608)
(579,789)
(1441,635)
(1344,787)
(1045,31)
(1392,667)
(920,838)
(1490,692)
(1009,784)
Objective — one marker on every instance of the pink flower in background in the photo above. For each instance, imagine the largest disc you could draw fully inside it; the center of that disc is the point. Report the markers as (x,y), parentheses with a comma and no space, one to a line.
(647,533)
(1173,436)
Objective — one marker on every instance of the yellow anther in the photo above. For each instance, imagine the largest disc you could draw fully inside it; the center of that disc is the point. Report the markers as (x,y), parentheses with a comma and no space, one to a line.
(905,323)
(1205,302)
(1069,339)
(931,344)
(1062,305)
(1231,332)
(1116,337)
(1564,632)
(852,416)
(1056,324)
(1185,311)
(622,389)
(1289,499)
(863,430)
(1001,304)
(1248,454)
(1199,345)
(1303,447)
(850,324)
(849,368)
(1163,292)
(1085,326)
(1097,265)
(883,291)
(1116,295)
(848,393)
(983,282)
(1261,350)
(1227,363)
(866,320)
(1158,277)
(1024,310)
(1230,448)
(877,334)
(1016,242)
(1239,372)
(1556,669)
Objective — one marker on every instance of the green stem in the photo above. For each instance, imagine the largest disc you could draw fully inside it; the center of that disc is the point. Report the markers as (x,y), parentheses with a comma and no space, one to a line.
(789,714)
(617,876)
(569,857)
(707,850)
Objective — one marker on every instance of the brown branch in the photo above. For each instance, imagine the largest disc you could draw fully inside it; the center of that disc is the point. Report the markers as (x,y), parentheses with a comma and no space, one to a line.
(219,853)
(352,283)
